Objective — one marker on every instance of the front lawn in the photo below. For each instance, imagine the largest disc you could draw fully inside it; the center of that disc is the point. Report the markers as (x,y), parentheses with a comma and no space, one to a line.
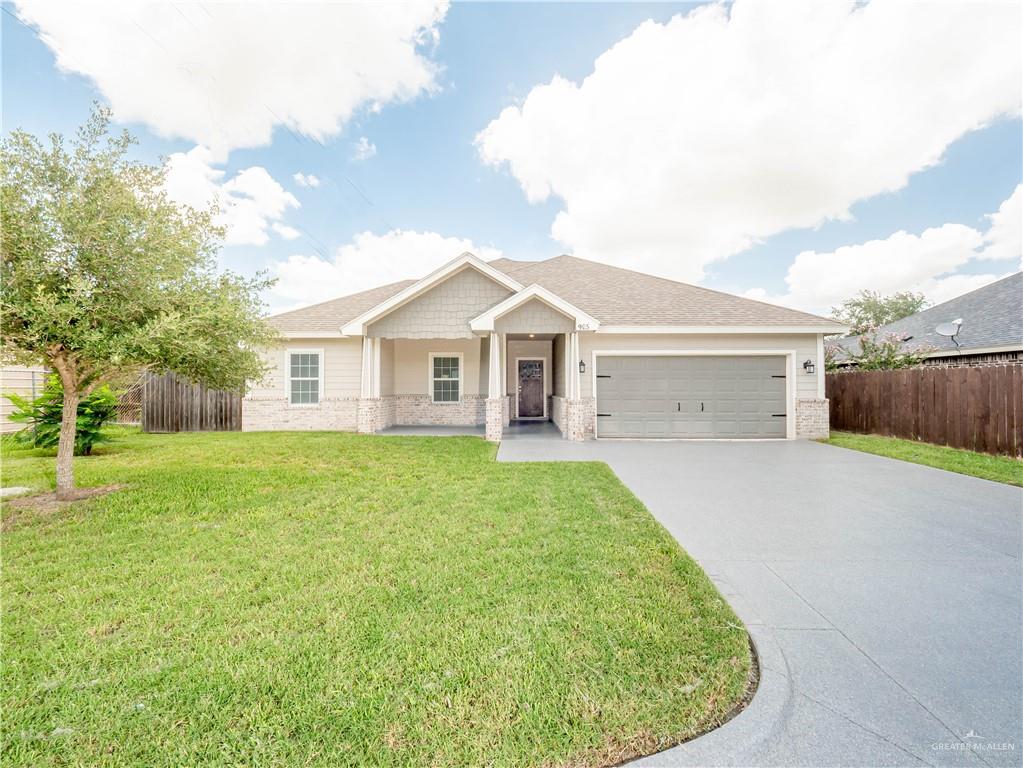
(330,599)
(1002,469)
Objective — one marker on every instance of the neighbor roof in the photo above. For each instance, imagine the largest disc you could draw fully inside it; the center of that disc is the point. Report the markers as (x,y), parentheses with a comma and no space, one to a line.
(992,319)
(612,295)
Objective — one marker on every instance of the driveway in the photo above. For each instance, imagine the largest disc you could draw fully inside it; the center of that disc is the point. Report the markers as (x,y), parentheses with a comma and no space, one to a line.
(885,598)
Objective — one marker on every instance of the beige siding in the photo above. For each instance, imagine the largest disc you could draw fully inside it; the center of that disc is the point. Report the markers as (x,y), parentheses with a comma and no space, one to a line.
(412,364)
(534,317)
(342,368)
(558,366)
(804,345)
(444,311)
(484,369)
(386,367)
(19,380)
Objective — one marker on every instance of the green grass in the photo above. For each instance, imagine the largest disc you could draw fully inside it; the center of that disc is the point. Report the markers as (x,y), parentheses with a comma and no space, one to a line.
(329,599)
(1002,469)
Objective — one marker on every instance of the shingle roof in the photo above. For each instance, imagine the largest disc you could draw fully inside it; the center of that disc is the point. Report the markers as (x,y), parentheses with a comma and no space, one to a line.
(612,295)
(992,317)
(617,296)
(329,316)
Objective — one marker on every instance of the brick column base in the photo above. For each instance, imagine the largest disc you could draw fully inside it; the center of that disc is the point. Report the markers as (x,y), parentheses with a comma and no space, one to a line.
(578,418)
(495,418)
(374,414)
(812,418)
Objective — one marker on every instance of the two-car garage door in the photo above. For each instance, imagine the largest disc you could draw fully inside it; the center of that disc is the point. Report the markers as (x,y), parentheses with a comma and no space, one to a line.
(691,396)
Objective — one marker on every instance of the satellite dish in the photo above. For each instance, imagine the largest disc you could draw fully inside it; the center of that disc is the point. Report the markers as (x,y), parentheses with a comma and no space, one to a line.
(951,330)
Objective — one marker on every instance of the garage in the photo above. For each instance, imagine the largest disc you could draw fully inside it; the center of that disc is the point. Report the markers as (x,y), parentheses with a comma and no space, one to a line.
(697,396)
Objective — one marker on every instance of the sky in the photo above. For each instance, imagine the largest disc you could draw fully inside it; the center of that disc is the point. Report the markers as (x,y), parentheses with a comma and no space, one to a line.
(791,152)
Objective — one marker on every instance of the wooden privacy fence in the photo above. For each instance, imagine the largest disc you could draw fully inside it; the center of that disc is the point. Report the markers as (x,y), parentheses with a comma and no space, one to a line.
(172,404)
(978,408)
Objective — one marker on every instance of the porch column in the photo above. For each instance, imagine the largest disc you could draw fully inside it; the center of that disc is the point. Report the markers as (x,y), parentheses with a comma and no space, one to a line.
(495,401)
(376,367)
(366,389)
(573,365)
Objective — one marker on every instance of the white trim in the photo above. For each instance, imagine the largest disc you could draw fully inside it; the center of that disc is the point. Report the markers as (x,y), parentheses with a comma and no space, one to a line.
(311,335)
(288,352)
(543,367)
(828,328)
(357,327)
(461,377)
(485,322)
(790,378)
(820,366)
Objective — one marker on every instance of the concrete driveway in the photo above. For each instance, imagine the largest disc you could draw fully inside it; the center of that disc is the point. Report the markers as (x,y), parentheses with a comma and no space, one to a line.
(885,598)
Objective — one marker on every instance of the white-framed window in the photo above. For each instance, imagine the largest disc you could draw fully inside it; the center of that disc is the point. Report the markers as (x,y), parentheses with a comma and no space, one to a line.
(303,377)
(446,376)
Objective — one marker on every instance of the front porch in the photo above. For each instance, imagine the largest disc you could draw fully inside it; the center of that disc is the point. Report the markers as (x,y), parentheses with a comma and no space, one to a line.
(518,383)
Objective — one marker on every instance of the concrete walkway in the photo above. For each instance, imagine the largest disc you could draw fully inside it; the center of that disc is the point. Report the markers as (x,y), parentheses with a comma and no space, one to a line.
(885,598)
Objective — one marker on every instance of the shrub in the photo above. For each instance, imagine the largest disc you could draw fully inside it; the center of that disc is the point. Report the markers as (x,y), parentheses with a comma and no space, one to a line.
(42,417)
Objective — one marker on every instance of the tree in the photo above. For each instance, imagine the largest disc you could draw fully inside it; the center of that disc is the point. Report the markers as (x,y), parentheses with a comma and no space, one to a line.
(102,275)
(869,309)
(888,352)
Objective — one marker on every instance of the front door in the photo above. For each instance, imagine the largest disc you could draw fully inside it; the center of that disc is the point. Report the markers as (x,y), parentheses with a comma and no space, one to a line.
(530,389)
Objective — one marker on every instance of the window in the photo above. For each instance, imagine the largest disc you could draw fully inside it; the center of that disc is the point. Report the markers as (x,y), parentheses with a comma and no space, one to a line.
(305,377)
(446,378)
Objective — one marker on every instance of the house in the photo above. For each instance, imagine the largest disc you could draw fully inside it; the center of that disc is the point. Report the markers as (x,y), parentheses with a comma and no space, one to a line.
(990,322)
(597,350)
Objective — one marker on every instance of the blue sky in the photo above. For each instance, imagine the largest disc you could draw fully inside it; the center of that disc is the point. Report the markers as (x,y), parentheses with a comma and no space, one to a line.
(433,174)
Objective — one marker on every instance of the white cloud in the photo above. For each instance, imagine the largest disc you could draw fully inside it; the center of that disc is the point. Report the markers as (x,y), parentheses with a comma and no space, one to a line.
(288,233)
(368,261)
(1005,237)
(250,202)
(306,179)
(363,149)
(693,139)
(928,262)
(226,74)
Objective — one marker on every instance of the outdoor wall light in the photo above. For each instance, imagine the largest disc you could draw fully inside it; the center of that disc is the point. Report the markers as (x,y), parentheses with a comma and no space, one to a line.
(582,367)
(809,367)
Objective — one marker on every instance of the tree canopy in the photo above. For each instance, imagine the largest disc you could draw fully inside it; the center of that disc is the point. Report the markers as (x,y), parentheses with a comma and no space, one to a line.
(103,275)
(869,309)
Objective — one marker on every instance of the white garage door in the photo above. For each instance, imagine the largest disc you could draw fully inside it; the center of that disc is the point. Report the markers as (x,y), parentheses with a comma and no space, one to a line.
(691,396)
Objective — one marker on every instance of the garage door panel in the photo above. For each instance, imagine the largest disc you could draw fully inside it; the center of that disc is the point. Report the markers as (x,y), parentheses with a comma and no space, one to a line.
(691,396)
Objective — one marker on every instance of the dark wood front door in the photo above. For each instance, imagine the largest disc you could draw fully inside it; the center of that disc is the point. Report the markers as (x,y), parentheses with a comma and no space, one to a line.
(530,389)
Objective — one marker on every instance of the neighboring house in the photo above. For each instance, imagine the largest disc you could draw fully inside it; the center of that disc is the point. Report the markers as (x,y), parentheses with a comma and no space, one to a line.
(19,380)
(991,332)
(600,351)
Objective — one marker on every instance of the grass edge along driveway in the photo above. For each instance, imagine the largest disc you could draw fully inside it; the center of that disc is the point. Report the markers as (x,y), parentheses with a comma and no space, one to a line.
(1001,469)
(335,599)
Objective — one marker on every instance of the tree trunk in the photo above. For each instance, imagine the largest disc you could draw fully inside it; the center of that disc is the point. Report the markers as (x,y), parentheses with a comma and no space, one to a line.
(66,446)
(68,428)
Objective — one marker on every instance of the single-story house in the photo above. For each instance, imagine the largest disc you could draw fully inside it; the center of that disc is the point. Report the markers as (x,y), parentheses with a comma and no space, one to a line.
(599,351)
(989,320)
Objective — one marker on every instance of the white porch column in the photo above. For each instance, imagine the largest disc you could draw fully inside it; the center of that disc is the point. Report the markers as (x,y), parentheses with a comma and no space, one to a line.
(375,388)
(367,367)
(495,402)
(494,384)
(573,365)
